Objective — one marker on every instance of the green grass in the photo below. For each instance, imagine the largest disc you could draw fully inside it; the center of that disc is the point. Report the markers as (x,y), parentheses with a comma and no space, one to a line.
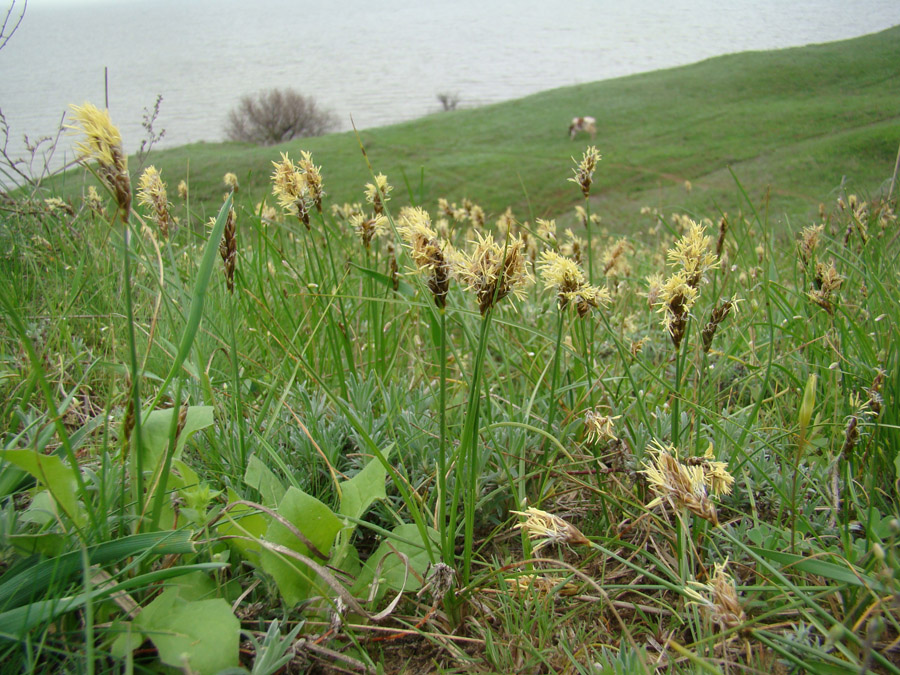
(795,122)
(325,454)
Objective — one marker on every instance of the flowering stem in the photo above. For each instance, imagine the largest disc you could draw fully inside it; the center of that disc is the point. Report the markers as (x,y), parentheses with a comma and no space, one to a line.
(590,247)
(468,452)
(442,447)
(676,398)
(135,375)
(553,403)
(554,382)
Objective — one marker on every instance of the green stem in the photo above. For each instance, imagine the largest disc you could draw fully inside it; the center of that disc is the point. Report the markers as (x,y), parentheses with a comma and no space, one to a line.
(554,380)
(442,413)
(468,453)
(135,374)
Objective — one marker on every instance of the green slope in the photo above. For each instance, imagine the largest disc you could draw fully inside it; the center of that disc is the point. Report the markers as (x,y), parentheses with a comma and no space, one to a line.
(794,123)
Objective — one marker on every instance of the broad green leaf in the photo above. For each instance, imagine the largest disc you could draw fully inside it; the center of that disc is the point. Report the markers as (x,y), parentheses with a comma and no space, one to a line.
(243,521)
(47,544)
(393,573)
(51,472)
(317,523)
(42,510)
(155,432)
(200,636)
(262,479)
(361,491)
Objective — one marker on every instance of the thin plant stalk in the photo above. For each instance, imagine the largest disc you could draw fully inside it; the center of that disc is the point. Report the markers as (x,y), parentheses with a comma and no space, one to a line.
(442,414)
(135,373)
(468,453)
(554,380)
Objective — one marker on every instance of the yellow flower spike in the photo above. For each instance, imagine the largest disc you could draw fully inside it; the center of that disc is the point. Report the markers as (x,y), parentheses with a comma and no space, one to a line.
(378,193)
(677,484)
(152,193)
(718,598)
(546,528)
(103,142)
(584,174)
(692,253)
(493,271)
(291,189)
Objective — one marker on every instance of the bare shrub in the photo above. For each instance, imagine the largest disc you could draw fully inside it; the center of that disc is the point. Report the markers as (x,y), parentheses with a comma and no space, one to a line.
(448,100)
(277,115)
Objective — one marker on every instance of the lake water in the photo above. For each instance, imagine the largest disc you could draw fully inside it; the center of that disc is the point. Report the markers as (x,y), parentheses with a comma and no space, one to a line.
(381,62)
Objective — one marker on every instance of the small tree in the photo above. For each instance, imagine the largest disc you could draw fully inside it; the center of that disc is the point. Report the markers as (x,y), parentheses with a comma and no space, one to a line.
(277,115)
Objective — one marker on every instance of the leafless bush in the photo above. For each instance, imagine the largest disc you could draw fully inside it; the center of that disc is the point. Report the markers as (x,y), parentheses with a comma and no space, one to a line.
(448,101)
(11,22)
(277,115)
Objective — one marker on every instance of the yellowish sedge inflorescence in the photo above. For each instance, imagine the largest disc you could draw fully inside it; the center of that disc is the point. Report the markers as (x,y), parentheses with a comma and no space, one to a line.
(809,242)
(546,230)
(692,258)
(546,528)
(312,175)
(103,143)
(429,252)
(599,427)
(684,484)
(564,276)
(378,193)
(228,248)
(231,181)
(493,271)
(291,189)
(718,598)
(827,282)
(573,246)
(152,193)
(368,228)
(691,253)
(94,201)
(615,262)
(584,173)
(718,315)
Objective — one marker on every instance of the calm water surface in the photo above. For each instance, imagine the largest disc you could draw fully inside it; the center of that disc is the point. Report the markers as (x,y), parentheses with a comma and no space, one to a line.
(381,62)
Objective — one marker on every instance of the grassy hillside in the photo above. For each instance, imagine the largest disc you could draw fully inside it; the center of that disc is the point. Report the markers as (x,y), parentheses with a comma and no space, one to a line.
(796,121)
(412,445)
